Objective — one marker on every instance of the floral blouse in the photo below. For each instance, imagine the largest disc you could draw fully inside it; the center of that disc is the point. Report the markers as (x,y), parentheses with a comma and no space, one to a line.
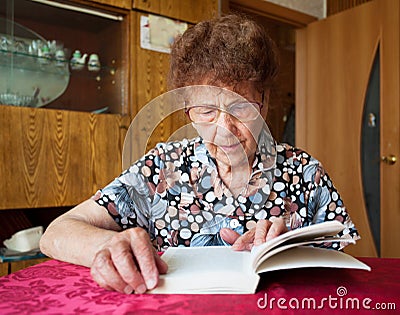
(175,193)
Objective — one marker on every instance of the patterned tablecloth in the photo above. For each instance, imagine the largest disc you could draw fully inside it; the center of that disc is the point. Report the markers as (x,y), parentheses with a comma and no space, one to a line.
(55,287)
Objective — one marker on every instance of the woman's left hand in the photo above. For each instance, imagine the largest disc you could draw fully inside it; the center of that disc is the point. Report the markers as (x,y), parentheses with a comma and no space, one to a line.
(264,231)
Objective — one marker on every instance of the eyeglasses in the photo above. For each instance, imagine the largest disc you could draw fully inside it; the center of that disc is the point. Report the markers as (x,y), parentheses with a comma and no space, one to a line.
(242,111)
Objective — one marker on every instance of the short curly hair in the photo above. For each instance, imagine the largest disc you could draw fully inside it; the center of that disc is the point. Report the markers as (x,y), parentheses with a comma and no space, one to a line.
(228,50)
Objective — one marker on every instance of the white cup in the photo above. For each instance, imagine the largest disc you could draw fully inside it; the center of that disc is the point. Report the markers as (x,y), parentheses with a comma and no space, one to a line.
(60,58)
(94,63)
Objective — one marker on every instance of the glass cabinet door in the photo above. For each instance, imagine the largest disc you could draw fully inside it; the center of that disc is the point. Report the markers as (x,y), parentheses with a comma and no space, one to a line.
(64,55)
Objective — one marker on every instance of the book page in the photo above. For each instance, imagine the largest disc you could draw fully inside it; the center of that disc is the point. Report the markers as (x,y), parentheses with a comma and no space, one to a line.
(212,269)
(285,246)
(307,256)
(328,228)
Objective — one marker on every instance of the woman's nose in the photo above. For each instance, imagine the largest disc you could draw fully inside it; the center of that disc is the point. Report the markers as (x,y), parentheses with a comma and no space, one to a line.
(226,123)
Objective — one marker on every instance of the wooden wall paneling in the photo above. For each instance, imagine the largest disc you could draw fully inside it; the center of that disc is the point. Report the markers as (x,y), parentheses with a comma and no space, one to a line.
(281,23)
(301,86)
(282,97)
(339,54)
(336,6)
(188,10)
(56,158)
(150,68)
(390,127)
(150,72)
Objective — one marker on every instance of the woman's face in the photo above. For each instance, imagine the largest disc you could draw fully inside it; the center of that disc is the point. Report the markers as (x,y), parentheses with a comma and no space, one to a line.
(231,140)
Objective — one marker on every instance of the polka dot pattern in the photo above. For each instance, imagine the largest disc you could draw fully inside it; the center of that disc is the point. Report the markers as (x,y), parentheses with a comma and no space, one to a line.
(175,193)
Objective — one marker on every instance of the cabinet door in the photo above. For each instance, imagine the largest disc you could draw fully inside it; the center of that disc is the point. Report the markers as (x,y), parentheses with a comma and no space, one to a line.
(70,29)
(337,58)
(56,158)
(186,10)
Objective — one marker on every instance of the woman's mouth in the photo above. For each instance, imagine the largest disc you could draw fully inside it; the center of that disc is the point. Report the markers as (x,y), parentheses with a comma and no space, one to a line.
(230,147)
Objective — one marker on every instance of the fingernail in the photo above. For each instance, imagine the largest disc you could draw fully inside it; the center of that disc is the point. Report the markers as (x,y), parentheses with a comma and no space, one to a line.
(141,289)
(128,289)
(151,283)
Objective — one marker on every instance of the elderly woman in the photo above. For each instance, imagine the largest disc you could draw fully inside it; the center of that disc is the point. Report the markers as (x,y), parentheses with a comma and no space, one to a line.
(232,185)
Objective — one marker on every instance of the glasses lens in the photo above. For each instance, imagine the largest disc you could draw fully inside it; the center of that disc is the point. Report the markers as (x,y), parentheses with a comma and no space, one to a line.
(208,113)
(244,111)
(203,113)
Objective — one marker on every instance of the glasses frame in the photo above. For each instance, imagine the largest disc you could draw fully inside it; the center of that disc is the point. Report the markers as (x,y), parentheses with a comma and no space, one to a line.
(260,106)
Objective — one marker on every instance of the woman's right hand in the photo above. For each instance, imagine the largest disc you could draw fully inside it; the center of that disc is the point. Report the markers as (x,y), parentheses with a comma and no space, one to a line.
(128,263)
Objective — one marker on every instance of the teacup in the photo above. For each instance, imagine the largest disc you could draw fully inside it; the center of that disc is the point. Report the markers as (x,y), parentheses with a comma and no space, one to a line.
(94,63)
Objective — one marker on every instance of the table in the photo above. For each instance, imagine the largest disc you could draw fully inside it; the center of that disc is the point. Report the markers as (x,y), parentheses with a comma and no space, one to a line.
(55,287)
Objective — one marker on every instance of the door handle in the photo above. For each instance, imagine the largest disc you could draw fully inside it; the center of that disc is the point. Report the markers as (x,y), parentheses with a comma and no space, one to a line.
(390,159)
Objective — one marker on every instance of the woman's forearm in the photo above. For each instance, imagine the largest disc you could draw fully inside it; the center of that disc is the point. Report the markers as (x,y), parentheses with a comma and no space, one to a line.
(75,238)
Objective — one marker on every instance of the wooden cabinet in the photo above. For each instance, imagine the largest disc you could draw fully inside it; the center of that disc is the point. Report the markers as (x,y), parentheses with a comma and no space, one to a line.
(55,158)
(60,154)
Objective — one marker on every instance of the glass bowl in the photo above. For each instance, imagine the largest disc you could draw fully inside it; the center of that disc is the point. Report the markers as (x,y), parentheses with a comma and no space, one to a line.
(18,100)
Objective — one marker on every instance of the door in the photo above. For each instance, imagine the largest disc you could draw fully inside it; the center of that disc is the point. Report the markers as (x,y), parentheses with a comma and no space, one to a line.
(347,115)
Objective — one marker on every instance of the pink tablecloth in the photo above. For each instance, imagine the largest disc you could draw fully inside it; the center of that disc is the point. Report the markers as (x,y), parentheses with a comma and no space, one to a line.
(56,287)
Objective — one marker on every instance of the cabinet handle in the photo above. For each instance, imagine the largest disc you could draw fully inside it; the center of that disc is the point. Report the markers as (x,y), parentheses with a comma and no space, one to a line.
(390,160)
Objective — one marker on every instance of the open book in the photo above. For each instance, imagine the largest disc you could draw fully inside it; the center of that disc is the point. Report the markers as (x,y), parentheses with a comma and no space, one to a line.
(219,269)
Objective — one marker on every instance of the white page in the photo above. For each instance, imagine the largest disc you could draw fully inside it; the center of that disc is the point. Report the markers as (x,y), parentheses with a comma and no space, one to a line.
(307,256)
(328,228)
(212,269)
(281,248)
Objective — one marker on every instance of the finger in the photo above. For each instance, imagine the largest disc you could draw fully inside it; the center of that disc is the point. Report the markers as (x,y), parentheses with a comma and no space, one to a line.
(262,228)
(277,227)
(144,253)
(125,261)
(161,264)
(245,241)
(229,235)
(105,274)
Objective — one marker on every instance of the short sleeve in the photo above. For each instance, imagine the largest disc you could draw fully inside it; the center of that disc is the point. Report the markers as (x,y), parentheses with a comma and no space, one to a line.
(324,202)
(131,198)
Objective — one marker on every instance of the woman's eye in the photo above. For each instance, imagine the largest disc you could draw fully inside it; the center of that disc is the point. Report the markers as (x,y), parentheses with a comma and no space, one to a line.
(206,111)
(240,105)
(239,108)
